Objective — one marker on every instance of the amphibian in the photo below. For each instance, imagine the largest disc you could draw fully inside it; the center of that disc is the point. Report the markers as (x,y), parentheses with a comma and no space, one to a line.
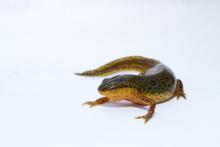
(154,84)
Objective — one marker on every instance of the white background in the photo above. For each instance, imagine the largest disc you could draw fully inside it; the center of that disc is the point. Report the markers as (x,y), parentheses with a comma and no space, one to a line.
(43,42)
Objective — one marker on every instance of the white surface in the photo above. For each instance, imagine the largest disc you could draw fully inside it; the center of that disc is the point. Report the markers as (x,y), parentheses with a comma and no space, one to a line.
(42,43)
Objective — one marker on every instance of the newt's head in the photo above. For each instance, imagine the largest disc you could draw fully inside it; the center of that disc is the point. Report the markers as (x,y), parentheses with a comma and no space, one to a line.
(115,87)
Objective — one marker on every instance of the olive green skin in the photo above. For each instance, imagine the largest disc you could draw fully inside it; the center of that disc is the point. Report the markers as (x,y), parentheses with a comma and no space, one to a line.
(157,81)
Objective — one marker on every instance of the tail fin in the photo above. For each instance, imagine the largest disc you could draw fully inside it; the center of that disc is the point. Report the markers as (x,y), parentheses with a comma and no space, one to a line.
(131,63)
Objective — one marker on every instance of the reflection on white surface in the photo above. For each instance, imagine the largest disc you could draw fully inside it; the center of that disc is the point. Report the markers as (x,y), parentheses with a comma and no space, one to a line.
(42,43)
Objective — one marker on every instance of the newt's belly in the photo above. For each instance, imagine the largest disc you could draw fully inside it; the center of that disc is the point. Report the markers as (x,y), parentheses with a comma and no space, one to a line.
(160,97)
(134,95)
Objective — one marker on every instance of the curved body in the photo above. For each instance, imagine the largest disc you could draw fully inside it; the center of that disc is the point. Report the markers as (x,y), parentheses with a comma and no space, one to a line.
(156,83)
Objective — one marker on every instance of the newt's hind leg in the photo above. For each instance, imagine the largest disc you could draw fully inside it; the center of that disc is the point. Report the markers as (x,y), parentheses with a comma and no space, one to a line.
(179,92)
(97,102)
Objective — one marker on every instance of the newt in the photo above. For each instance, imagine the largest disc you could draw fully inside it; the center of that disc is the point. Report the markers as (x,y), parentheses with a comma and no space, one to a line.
(155,83)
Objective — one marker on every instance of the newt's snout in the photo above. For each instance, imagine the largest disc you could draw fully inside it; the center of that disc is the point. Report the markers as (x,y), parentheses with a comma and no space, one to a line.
(107,84)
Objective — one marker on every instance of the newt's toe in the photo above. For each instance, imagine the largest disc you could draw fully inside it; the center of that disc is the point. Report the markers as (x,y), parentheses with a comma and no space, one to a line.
(181,95)
(146,118)
(91,104)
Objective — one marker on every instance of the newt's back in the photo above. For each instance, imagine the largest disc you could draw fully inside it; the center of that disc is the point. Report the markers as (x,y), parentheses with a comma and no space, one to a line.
(160,83)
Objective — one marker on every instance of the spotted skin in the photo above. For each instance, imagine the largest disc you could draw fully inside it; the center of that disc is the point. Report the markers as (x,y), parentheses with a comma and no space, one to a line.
(131,63)
(155,84)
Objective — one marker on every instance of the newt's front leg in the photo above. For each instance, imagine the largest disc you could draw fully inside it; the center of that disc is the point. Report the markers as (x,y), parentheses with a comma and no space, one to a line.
(149,113)
(151,104)
(97,102)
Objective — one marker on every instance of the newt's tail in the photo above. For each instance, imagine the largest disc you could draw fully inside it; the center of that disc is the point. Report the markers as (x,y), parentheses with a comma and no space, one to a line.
(131,63)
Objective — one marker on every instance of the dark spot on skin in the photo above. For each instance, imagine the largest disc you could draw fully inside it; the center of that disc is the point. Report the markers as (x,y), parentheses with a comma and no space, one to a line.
(153,83)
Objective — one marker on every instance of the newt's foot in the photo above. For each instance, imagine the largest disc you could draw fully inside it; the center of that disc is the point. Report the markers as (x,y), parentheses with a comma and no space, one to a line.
(178,97)
(145,117)
(149,114)
(179,90)
(97,102)
(90,103)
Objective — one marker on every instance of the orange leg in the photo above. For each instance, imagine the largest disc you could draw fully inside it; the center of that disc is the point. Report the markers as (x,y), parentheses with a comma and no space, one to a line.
(146,102)
(149,113)
(97,102)
(179,90)
(143,101)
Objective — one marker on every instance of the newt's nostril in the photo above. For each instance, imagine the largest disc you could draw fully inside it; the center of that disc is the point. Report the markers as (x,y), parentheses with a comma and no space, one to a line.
(105,79)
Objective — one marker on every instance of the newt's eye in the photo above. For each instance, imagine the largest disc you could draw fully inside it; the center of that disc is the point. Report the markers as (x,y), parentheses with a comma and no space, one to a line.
(113,88)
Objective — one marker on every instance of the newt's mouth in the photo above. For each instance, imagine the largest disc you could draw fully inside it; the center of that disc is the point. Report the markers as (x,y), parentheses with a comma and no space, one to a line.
(103,92)
(102,87)
(108,93)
